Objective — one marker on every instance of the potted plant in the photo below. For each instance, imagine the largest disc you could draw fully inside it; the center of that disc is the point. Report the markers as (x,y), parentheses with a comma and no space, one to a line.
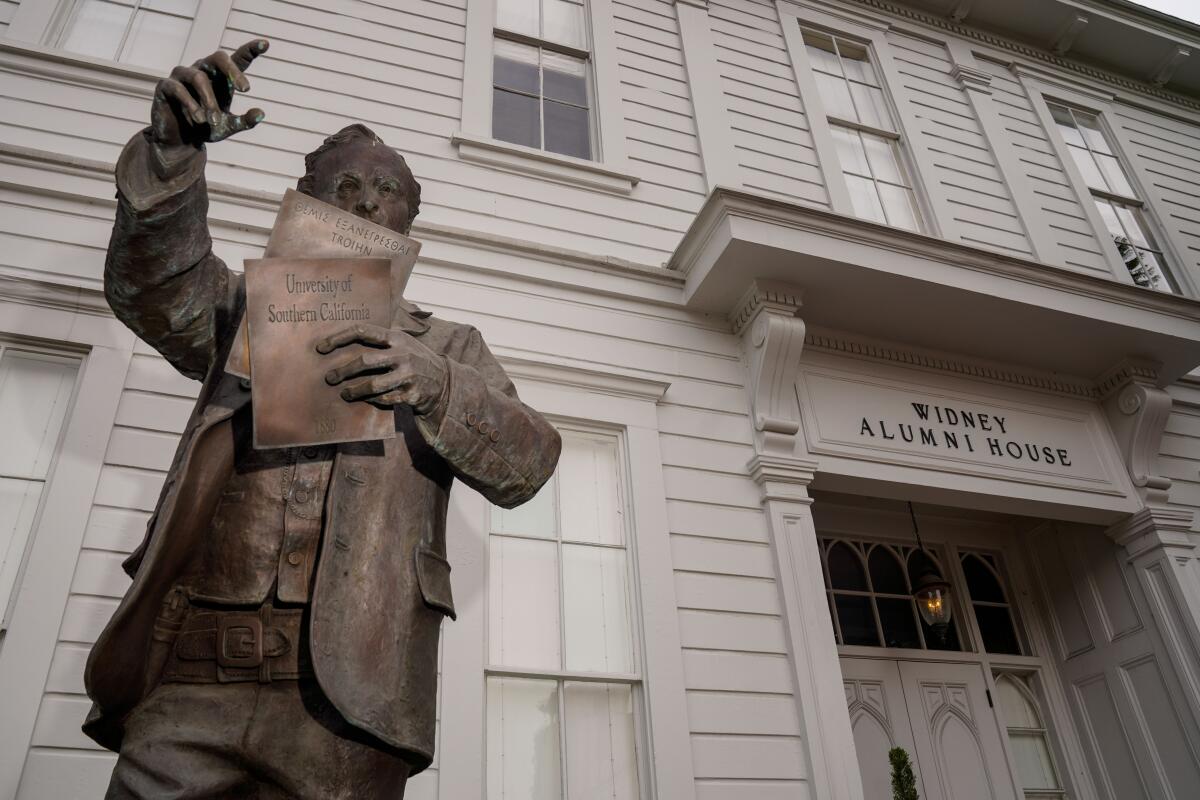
(904,783)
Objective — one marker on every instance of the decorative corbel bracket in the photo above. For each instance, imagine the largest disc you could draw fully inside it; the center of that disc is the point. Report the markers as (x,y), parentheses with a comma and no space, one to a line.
(1067,34)
(766,320)
(1137,411)
(1166,68)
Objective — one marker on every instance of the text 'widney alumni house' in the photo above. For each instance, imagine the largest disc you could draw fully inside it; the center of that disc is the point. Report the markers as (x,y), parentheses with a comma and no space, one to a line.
(777,269)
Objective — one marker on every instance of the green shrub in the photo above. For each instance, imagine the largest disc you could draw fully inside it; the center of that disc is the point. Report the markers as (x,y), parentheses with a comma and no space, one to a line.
(904,783)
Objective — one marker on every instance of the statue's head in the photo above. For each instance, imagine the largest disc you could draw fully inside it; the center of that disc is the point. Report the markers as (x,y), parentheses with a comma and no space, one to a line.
(354,170)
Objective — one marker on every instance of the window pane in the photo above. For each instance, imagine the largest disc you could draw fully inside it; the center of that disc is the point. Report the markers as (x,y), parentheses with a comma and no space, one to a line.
(96,28)
(899,621)
(996,627)
(567,130)
(596,609)
(981,581)
(1132,225)
(900,206)
(835,96)
(821,53)
(591,503)
(845,568)
(1015,706)
(601,764)
(520,16)
(523,603)
(564,78)
(34,393)
(850,151)
(886,573)
(156,40)
(857,620)
(1109,215)
(515,118)
(535,517)
(1066,126)
(516,67)
(856,62)
(881,153)
(563,23)
(1089,126)
(1114,175)
(872,108)
(1087,167)
(523,740)
(1033,761)
(864,198)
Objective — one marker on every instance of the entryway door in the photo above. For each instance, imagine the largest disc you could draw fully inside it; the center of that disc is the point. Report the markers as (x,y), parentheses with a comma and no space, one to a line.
(940,714)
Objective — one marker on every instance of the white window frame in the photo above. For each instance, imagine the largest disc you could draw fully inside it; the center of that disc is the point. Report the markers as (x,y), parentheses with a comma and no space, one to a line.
(613,405)
(635,679)
(39,22)
(1041,93)
(869,33)
(610,168)
(22,548)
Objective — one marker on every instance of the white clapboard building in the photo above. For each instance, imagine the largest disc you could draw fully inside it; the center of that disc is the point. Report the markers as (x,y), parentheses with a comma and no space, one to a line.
(796,279)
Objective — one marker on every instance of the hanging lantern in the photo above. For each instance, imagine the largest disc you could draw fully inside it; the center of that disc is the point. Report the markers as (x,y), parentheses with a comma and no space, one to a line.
(932,592)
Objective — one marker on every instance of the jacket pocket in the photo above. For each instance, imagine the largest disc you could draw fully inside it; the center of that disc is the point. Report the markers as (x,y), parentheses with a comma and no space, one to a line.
(433,576)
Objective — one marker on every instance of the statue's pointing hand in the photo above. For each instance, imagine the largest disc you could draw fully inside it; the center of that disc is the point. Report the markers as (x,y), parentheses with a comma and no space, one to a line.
(192,106)
(399,370)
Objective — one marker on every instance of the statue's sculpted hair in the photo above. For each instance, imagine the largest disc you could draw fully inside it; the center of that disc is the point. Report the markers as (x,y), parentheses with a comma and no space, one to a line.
(345,136)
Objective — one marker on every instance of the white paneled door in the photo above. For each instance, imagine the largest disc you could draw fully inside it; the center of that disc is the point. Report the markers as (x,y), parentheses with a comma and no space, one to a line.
(940,714)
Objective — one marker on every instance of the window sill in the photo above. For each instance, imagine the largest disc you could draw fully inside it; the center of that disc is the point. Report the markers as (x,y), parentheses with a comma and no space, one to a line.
(589,174)
(78,68)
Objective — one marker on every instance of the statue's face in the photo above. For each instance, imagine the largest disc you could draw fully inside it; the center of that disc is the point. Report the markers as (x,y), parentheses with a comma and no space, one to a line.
(365,179)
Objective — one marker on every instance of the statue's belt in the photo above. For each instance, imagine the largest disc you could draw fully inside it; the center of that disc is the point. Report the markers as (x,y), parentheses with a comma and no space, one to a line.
(230,646)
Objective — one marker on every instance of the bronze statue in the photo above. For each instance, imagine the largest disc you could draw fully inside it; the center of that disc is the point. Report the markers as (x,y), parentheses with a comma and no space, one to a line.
(280,635)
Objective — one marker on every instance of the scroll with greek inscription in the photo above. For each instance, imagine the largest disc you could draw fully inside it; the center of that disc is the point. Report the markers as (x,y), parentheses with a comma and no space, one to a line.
(309,228)
(291,304)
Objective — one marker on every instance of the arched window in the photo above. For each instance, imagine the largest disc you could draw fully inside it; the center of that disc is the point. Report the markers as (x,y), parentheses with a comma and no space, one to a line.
(870,595)
(990,603)
(1027,736)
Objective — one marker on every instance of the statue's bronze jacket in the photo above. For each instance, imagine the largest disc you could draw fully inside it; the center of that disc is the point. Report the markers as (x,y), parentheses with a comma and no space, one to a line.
(382,583)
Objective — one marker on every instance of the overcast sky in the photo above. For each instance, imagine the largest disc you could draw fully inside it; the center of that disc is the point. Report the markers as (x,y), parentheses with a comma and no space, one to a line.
(1184,9)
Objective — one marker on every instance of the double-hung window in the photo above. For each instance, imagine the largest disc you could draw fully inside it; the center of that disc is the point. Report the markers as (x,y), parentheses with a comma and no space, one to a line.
(541,87)
(865,134)
(149,33)
(563,675)
(35,392)
(1114,196)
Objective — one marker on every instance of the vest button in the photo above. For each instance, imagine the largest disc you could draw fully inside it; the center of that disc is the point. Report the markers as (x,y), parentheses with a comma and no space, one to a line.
(301,496)
(294,558)
(309,452)
(244,383)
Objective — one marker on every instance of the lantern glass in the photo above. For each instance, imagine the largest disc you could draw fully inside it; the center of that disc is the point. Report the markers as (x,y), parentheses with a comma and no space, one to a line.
(933,600)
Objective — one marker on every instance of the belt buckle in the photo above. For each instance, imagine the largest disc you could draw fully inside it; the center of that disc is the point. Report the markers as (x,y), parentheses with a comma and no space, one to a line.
(239,640)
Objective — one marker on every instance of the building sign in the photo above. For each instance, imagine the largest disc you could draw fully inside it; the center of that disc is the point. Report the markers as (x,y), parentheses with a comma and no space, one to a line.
(963,426)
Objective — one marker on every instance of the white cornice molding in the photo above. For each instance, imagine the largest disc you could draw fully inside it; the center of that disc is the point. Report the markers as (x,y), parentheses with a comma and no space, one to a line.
(841,344)
(267,201)
(783,478)
(561,372)
(58,296)
(1028,51)
(1155,528)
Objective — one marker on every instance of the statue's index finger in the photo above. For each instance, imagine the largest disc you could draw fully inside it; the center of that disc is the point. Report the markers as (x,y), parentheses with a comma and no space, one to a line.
(251,50)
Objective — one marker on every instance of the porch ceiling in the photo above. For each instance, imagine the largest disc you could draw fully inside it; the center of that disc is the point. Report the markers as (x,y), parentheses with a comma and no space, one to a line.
(890,284)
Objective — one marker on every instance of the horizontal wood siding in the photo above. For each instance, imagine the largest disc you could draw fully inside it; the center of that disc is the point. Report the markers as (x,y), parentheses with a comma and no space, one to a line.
(7,9)
(770,130)
(1168,151)
(1058,204)
(949,132)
